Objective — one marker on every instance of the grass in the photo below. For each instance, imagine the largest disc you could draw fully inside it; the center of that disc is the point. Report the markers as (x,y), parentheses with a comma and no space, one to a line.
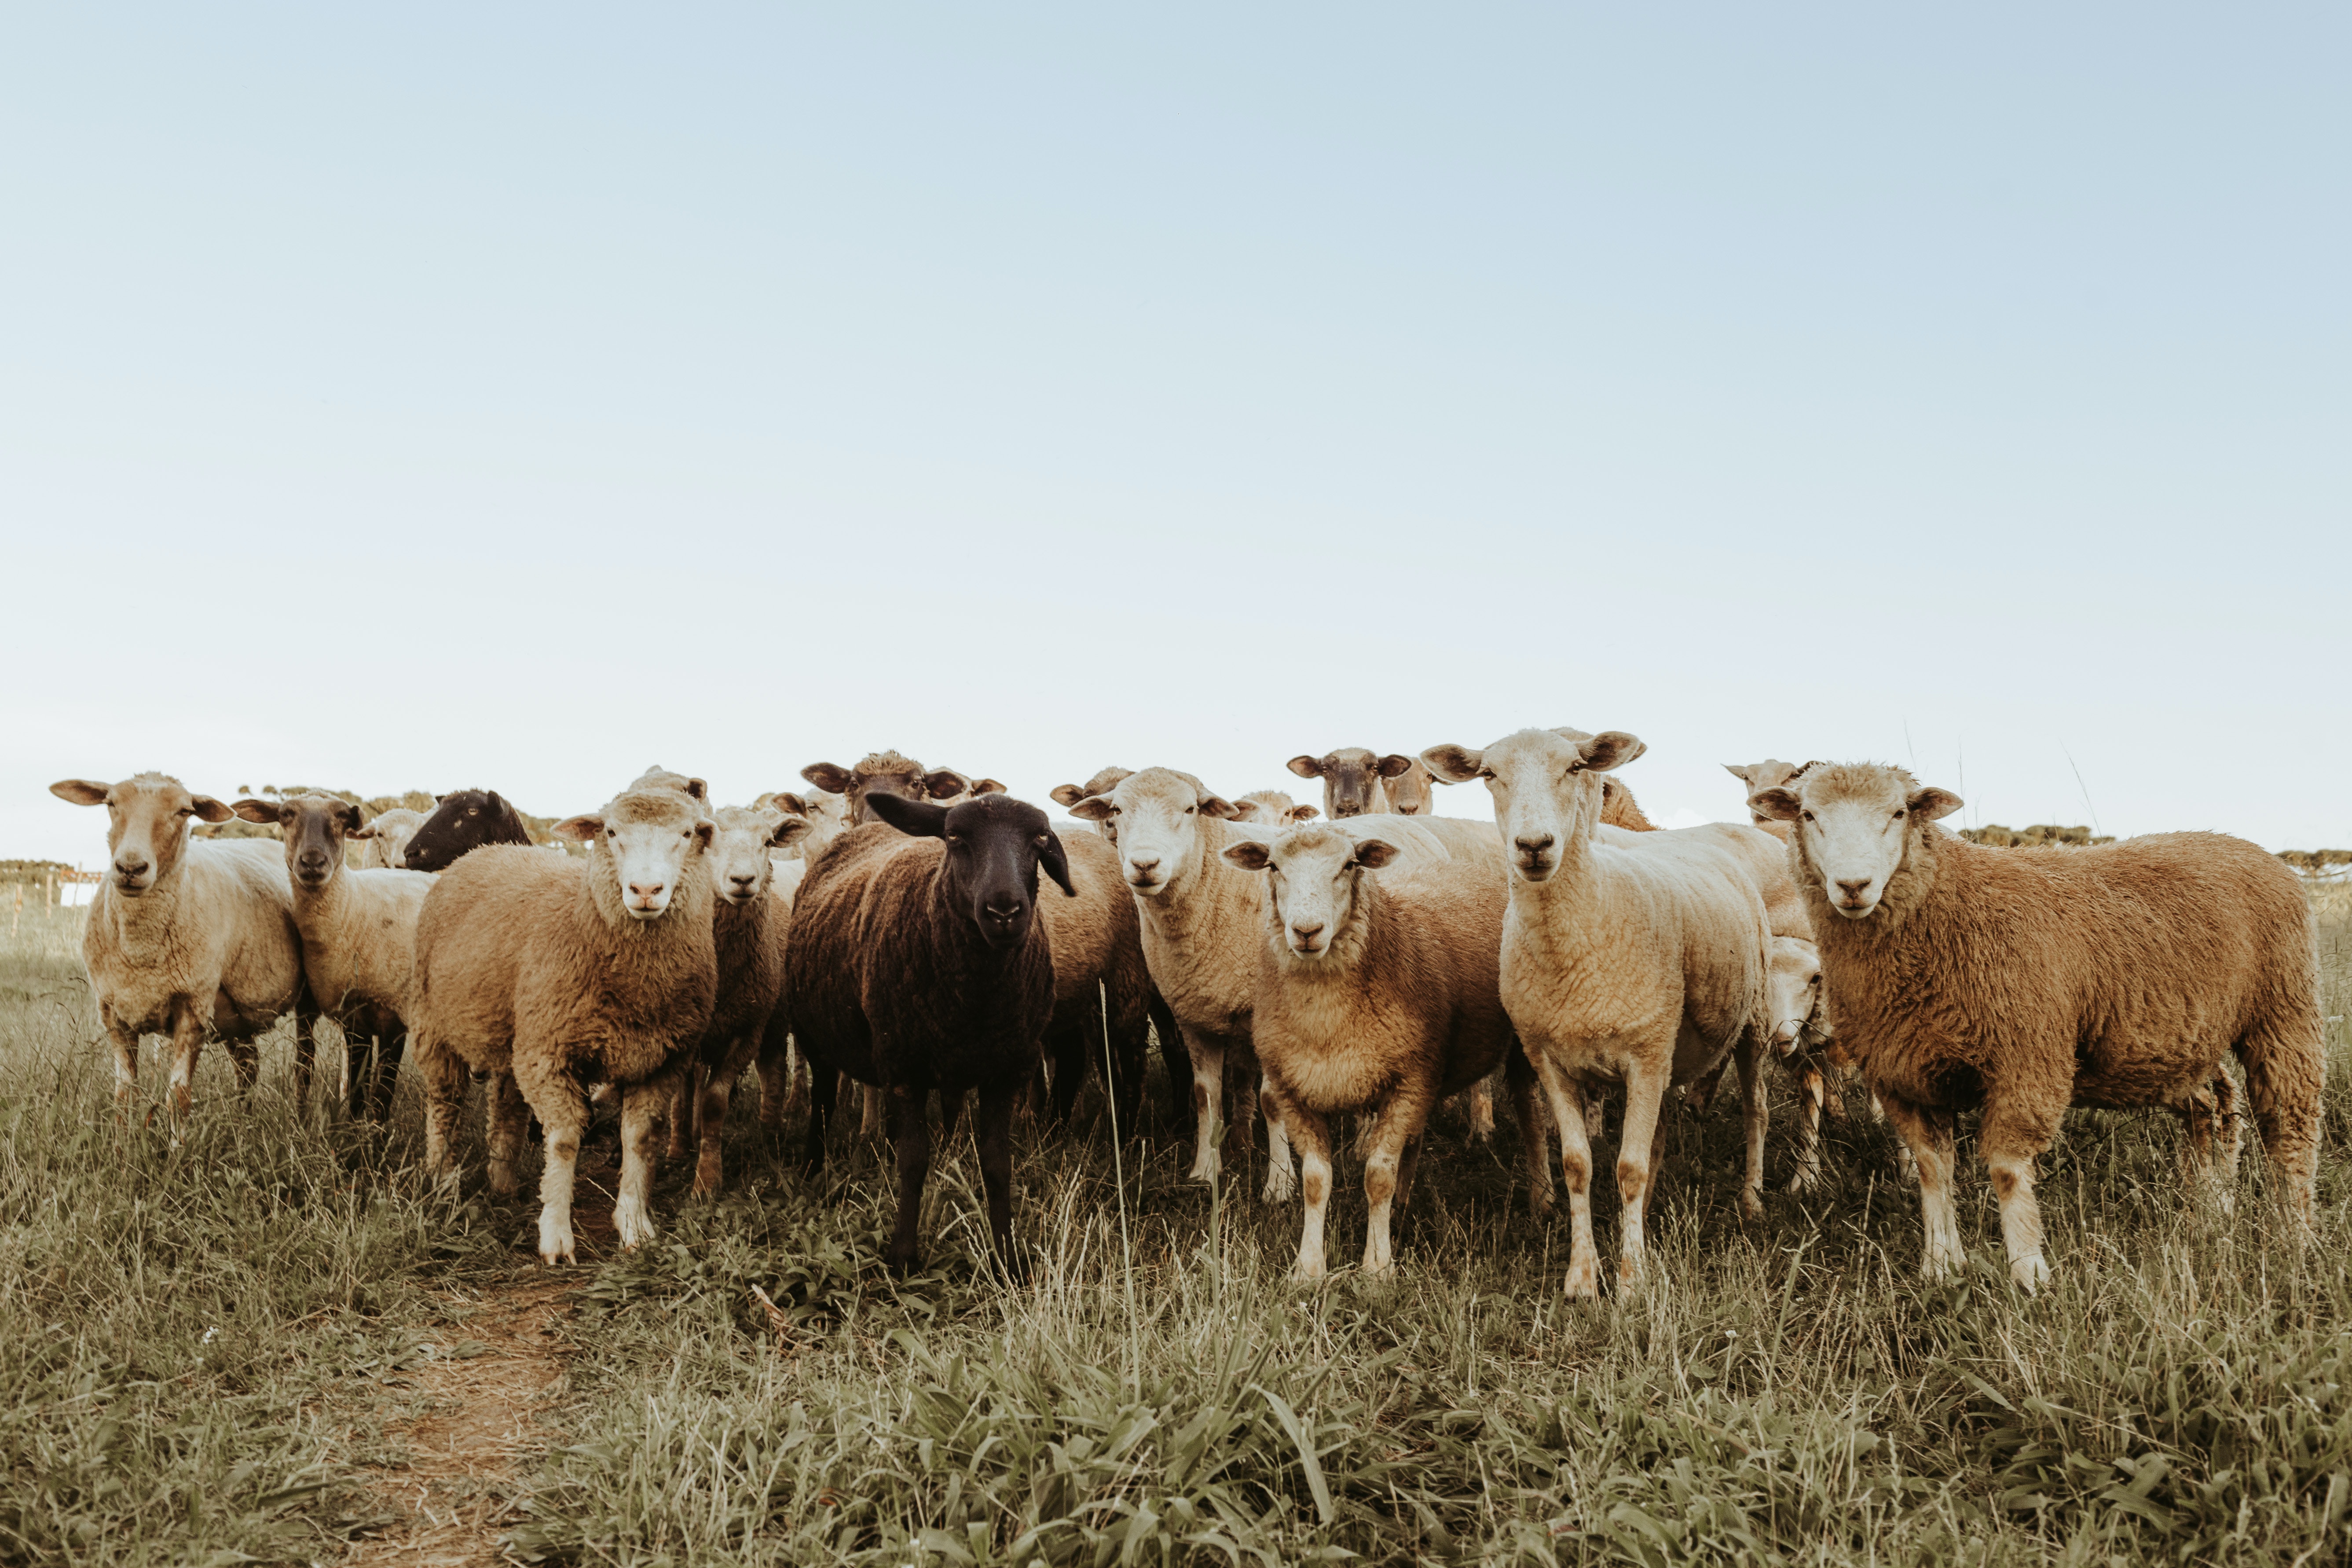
(207,1343)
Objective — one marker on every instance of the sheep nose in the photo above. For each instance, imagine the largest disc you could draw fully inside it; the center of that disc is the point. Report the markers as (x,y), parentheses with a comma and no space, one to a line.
(744,879)
(1304,934)
(1140,865)
(1002,907)
(131,868)
(647,891)
(1534,845)
(1852,886)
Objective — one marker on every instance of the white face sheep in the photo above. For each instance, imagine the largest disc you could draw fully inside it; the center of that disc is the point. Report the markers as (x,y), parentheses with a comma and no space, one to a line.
(1770,773)
(1638,957)
(548,975)
(188,939)
(383,839)
(1270,808)
(2025,981)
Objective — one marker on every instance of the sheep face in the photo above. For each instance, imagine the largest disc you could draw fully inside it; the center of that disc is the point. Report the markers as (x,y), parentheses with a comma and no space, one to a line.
(1272,808)
(644,845)
(995,846)
(463,820)
(148,821)
(742,836)
(1105,780)
(391,832)
(886,773)
(1770,773)
(1312,875)
(1351,776)
(1158,814)
(315,827)
(1545,784)
(1799,1017)
(1411,788)
(1855,825)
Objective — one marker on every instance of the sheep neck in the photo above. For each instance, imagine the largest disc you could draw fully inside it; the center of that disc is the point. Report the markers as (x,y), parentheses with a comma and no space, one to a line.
(1186,904)
(1567,910)
(147,923)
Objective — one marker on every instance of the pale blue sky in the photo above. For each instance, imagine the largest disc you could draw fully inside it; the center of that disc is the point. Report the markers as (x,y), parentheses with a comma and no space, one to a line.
(443,398)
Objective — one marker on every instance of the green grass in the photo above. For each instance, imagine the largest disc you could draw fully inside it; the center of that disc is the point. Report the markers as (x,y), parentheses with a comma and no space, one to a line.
(1787,1392)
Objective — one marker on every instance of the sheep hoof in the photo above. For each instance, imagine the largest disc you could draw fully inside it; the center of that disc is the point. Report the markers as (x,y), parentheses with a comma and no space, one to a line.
(1751,1203)
(2030,1273)
(635,1225)
(1281,1186)
(1583,1280)
(1309,1272)
(1204,1169)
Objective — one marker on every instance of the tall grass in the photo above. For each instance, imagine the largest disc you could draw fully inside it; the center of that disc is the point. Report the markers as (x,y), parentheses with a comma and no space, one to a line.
(1786,1391)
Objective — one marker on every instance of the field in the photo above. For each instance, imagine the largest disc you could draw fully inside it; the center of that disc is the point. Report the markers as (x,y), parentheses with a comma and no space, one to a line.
(269,1342)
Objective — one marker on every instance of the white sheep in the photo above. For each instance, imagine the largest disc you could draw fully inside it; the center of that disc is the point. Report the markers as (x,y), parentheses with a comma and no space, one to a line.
(383,839)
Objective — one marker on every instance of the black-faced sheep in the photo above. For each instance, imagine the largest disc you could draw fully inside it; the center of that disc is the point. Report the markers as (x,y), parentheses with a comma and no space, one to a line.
(922,965)
(190,938)
(462,821)
(2026,981)
(552,973)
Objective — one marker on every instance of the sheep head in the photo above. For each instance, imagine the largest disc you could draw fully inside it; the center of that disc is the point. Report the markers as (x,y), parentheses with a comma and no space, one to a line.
(740,866)
(644,845)
(148,821)
(315,827)
(1158,814)
(884,772)
(1794,983)
(1312,876)
(1350,777)
(995,847)
(1856,824)
(1545,784)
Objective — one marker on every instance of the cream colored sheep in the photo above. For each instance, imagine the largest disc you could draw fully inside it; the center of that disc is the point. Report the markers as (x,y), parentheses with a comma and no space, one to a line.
(1374,993)
(192,939)
(1271,808)
(1355,781)
(1636,958)
(1770,773)
(2024,981)
(550,974)
(384,837)
(359,937)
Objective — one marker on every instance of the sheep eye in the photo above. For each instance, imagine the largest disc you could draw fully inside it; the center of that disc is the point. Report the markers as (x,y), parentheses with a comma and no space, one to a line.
(1809,817)
(1898,816)
(1190,810)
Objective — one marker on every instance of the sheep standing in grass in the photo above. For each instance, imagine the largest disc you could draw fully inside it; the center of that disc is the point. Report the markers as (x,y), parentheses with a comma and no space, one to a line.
(190,938)
(2027,981)
(550,974)
(1374,993)
(359,937)
(922,965)
(1631,958)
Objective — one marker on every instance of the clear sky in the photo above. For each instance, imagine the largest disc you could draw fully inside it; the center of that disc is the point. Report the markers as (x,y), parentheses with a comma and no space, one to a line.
(516,396)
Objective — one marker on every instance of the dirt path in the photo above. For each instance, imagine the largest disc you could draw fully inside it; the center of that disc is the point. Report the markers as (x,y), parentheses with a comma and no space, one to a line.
(483,1388)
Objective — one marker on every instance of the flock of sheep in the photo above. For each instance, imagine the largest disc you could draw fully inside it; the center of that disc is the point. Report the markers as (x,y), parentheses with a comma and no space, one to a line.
(1372,959)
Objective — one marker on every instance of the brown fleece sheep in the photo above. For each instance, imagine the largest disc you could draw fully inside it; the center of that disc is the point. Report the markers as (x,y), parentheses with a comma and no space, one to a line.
(2027,981)
(549,973)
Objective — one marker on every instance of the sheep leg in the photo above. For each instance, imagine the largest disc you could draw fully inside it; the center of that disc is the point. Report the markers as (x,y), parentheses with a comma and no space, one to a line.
(187,1042)
(710,1125)
(1926,1134)
(871,1122)
(781,1078)
(1811,1086)
(633,1215)
(1755,1116)
(126,1061)
(2213,1109)
(2283,1059)
(1208,1059)
(1535,1133)
(1281,1181)
(1482,1108)
(508,1119)
(1387,1173)
(446,1078)
(1832,1101)
(824,1088)
(1567,1097)
(2011,1137)
(1178,1064)
(390,1046)
(678,1108)
(1315,1184)
(910,1130)
(993,1121)
(305,1047)
(1646,1095)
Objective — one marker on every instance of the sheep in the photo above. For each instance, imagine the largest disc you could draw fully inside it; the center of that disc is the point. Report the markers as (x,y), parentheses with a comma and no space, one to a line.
(548,975)
(190,939)
(1373,992)
(752,928)
(1770,773)
(1105,780)
(1271,808)
(1634,958)
(1411,793)
(462,821)
(359,937)
(384,839)
(2024,981)
(922,964)
(891,773)
(949,787)
(1620,809)
(1354,780)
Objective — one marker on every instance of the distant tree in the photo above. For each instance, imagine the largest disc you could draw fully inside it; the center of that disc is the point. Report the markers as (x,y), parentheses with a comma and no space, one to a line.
(1998,837)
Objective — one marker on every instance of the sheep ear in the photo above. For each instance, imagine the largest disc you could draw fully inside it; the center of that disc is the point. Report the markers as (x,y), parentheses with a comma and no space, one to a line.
(919,817)
(1456,765)
(211,810)
(580,829)
(830,777)
(1394,764)
(988,787)
(699,788)
(790,831)
(1249,854)
(1736,771)
(494,802)
(941,782)
(1218,806)
(1055,863)
(1066,795)
(1094,808)
(1932,802)
(349,816)
(81,792)
(1305,767)
(260,811)
(1779,804)
(1610,749)
(1374,853)
(366,832)
(785,800)
(703,832)
(1305,813)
